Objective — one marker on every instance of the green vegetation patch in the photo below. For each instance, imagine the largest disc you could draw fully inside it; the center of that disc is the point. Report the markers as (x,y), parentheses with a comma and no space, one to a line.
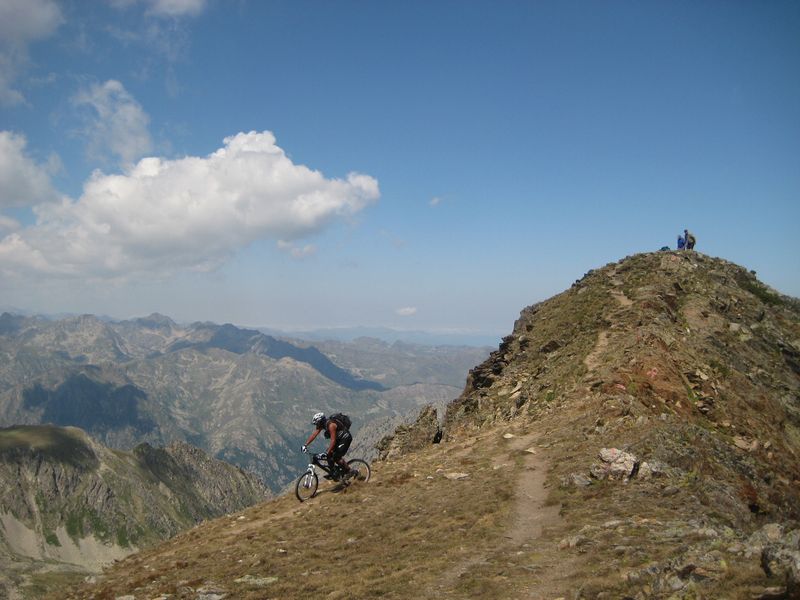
(63,445)
(85,521)
(51,538)
(759,290)
(39,584)
(74,525)
(122,538)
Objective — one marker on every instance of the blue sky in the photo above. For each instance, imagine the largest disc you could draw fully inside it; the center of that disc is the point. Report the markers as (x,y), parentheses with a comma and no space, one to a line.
(423,165)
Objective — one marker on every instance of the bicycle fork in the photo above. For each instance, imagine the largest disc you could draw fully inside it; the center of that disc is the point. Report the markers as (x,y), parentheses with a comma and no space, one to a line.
(309,477)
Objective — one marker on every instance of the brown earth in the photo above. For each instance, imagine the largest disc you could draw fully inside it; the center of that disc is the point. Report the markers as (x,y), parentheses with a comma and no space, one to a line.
(427,526)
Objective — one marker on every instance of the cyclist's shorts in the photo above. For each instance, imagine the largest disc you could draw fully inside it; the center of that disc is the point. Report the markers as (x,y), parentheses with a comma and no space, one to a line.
(342,445)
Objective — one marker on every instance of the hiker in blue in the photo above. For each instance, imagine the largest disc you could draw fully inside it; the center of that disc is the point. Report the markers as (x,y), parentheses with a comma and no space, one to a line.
(337,429)
(681,242)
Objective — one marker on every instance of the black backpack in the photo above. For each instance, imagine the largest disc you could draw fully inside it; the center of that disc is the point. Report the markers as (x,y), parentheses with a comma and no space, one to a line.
(342,420)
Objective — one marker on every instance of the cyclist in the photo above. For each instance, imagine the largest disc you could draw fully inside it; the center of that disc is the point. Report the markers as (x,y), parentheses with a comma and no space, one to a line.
(340,438)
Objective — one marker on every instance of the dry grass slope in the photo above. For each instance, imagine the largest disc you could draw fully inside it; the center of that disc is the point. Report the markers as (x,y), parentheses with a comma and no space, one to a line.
(433,525)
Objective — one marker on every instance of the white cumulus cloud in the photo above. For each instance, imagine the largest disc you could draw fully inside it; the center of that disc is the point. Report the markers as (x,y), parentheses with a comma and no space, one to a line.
(163,216)
(115,124)
(23,182)
(22,22)
(406,311)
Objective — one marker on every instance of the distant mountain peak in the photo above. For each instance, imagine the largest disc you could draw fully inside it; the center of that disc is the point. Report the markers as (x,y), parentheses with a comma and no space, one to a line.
(156,321)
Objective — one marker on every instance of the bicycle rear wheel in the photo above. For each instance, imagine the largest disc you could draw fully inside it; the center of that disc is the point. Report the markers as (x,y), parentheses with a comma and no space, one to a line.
(363,471)
(306,486)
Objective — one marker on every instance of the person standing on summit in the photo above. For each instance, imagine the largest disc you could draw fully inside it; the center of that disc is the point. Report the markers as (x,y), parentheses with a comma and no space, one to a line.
(690,239)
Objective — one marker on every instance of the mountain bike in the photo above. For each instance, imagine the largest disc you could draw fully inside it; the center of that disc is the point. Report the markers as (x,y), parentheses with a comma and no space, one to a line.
(307,484)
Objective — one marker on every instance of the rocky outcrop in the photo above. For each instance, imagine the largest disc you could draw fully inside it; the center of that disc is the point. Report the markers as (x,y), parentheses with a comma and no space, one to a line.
(408,438)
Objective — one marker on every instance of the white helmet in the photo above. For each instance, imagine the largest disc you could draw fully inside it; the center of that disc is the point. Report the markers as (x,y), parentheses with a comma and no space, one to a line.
(318,418)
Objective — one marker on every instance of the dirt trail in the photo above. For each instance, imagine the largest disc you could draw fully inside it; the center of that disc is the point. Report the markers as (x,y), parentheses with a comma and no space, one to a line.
(531,514)
(592,360)
(618,293)
(622,298)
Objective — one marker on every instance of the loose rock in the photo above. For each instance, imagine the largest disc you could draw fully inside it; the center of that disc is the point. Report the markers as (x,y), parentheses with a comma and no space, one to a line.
(256,581)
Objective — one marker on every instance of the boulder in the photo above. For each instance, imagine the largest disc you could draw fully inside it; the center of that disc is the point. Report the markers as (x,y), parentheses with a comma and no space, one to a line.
(616,464)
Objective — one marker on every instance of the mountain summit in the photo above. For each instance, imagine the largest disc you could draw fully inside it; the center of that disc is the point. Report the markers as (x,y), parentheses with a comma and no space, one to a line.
(636,436)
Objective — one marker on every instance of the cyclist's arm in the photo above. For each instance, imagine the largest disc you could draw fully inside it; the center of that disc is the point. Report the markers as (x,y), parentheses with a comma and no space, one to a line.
(332,430)
(313,436)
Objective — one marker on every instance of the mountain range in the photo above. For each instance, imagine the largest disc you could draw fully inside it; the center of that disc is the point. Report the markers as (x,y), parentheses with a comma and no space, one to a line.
(389,335)
(239,394)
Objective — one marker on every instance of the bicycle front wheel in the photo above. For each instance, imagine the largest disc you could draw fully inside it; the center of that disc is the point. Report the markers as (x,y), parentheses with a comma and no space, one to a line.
(306,486)
(362,469)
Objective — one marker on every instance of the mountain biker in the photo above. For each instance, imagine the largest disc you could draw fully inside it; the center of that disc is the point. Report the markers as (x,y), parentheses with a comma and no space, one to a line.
(340,438)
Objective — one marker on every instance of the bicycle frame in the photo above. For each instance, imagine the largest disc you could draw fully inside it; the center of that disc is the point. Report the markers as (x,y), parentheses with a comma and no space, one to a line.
(316,463)
(307,484)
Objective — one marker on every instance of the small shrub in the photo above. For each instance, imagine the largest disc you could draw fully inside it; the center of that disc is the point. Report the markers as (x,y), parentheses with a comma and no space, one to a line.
(122,538)
(74,526)
(721,368)
(759,290)
(51,538)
